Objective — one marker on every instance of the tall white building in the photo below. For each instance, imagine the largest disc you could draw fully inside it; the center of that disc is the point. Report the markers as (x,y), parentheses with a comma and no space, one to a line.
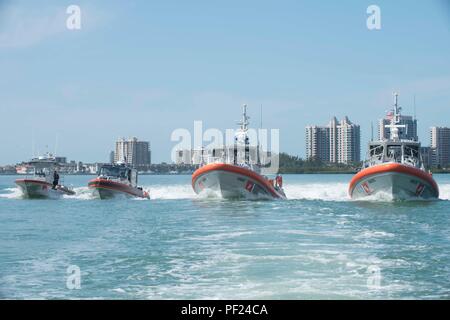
(440,146)
(409,132)
(133,152)
(317,143)
(338,142)
(349,142)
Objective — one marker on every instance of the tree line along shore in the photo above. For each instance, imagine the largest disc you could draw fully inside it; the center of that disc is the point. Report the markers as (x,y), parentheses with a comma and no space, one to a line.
(288,164)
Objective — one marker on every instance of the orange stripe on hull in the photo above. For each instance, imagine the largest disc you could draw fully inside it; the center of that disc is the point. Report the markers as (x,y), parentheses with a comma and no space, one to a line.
(392,167)
(115,186)
(234,169)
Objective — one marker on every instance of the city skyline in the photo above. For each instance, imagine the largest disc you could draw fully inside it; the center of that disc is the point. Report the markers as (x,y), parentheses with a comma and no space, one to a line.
(196,61)
(337,142)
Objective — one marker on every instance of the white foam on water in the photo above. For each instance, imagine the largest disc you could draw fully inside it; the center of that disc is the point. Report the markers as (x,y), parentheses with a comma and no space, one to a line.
(81,193)
(297,191)
(11,193)
(444,191)
(171,192)
(317,191)
(378,197)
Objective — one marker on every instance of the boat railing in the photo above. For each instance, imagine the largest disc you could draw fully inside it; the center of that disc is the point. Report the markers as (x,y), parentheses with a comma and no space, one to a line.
(409,160)
(374,160)
(228,160)
(211,159)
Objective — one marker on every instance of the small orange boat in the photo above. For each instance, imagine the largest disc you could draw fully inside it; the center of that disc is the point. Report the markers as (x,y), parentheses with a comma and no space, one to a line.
(117,180)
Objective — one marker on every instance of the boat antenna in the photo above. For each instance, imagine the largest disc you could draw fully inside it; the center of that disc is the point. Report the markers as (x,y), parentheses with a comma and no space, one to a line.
(258,155)
(371,129)
(414,103)
(261,113)
(32,144)
(56,145)
(395,120)
(244,122)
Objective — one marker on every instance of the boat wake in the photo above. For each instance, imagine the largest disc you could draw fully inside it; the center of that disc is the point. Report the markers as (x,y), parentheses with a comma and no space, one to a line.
(11,193)
(313,191)
(170,192)
(317,191)
(81,193)
(444,191)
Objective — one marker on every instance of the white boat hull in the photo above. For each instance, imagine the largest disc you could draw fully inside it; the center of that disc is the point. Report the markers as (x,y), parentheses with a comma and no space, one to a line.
(219,181)
(395,184)
(41,189)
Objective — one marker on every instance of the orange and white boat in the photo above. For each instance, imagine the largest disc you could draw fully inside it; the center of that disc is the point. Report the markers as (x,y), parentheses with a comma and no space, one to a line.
(394,168)
(117,181)
(230,178)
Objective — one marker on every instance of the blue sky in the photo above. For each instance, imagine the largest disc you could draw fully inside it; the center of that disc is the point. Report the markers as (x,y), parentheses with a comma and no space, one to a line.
(145,68)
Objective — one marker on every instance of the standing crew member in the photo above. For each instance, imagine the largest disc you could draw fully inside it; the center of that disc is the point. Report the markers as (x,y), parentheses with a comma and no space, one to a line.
(55,179)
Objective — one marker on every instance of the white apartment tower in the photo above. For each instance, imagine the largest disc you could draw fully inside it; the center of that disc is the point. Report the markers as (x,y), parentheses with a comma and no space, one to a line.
(440,146)
(133,152)
(338,142)
(318,143)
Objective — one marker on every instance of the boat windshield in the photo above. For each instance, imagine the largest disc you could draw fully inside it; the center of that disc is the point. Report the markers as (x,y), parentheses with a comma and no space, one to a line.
(412,151)
(376,150)
(394,152)
(113,172)
(42,172)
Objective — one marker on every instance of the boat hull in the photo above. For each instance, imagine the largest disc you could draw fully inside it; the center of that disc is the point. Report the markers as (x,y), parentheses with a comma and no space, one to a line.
(106,189)
(36,189)
(393,181)
(233,182)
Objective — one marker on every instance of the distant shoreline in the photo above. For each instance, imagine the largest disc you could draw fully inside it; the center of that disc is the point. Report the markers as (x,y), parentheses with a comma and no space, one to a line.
(188,174)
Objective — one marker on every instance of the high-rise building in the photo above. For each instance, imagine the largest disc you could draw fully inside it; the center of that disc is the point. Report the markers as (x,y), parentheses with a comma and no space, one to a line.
(338,142)
(409,132)
(133,152)
(440,146)
(349,142)
(61,160)
(317,143)
(111,157)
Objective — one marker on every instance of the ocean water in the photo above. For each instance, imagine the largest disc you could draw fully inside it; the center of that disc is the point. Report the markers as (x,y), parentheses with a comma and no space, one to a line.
(316,245)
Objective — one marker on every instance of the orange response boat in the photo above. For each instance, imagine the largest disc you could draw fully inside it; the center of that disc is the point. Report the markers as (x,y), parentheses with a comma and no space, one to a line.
(117,180)
(231,181)
(234,175)
(394,168)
